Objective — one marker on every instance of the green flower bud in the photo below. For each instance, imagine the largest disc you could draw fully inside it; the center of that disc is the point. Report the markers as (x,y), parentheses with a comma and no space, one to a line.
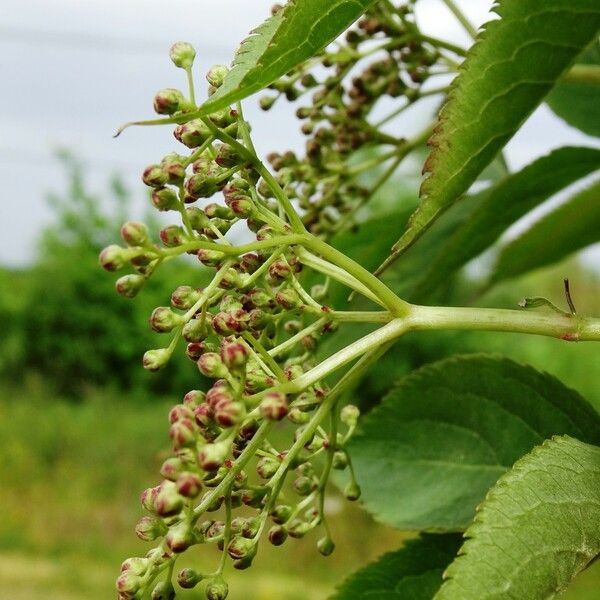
(213,210)
(113,257)
(277,535)
(172,236)
(210,258)
(171,468)
(212,456)
(195,330)
(163,591)
(298,529)
(154,176)
(352,491)
(267,466)
(200,186)
(189,485)
(134,234)
(194,398)
(188,578)
(164,320)
(274,406)
(128,286)
(180,537)
(281,513)
(266,102)
(216,75)
(241,547)
(243,208)
(211,365)
(288,299)
(340,460)
(193,133)
(148,497)
(135,565)
(128,584)
(184,297)
(325,546)
(183,433)
(182,54)
(150,528)
(304,485)
(164,199)
(174,166)
(168,101)
(156,359)
(216,589)
(227,157)
(349,415)
(168,501)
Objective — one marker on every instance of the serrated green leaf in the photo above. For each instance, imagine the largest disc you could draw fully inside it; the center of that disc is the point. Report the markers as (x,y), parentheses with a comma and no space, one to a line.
(427,455)
(295,33)
(412,573)
(571,226)
(579,104)
(538,527)
(503,204)
(506,74)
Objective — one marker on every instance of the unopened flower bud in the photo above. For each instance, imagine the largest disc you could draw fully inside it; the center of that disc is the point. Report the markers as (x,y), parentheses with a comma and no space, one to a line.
(183,433)
(135,565)
(281,513)
(349,415)
(172,236)
(173,166)
(234,355)
(216,75)
(154,176)
(184,297)
(267,101)
(113,257)
(352,491)
(150,528)
(128,584)
(212,456)
(325,546)
(195,330)
(180,537)
(148,497)
(193,133)
(228,414)
(164,199)
(171,468)
(303,485)
(128,286)
(168,501)
(182,54)
(267,466)
(340,460)
(216,589)
(274,406)
(134,234)
(200,186)
(211,365)
(189,484)
(188,578)
(288,299)
(163,591)
(243,208)
(227,157)
(241,547)
(194,398)
(164,320)
(156,359)
(298,529)
(277,535)
(168,101)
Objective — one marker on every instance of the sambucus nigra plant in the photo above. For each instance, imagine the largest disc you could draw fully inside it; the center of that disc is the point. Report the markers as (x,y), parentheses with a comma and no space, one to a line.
(255,329)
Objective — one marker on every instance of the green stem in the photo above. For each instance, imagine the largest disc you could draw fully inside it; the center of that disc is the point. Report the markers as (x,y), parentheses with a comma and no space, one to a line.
(461,18)
(582,74)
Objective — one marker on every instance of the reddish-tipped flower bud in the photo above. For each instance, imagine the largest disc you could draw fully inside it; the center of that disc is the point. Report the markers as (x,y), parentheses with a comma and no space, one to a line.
(184,297)
(216,589)
(164,199)
(193,133)
(134,234)
(168,101)
(164,320)
(128,286)
(200,186)
(212,456)
(325,546)
(150,528)
(154,176)
(243,208)
(183,433)
(156,359)
(234,355)
(227,157)
(279,270)
(173,166)
(304,485)
(182,54)
(288,299)
(267,466)
(194,398)
(277,535)
(172,236)
(135,565)
(228,414)
(180,537)
(128,584)
(216,75)
(171,468)
(113,257)
(298,529)
(274,406)
(168,501)
(148,497)
(211,365)
(188,578)
(241,547)
(281,513)
(204,415)
(189,485)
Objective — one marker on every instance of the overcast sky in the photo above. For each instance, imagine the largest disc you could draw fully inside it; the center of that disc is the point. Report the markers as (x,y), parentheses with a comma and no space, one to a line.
(73,70)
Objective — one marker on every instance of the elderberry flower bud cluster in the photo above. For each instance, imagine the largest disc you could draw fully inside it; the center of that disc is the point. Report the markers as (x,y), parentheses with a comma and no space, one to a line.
(253,333)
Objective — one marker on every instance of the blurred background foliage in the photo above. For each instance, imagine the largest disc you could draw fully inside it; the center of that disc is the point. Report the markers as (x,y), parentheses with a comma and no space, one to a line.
(83,426)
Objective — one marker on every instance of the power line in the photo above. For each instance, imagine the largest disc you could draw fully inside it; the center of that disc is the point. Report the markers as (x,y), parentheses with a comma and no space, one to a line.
(95,41)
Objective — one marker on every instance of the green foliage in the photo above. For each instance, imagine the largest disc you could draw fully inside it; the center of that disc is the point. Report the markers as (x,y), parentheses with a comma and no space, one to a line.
(294,34)
(414,571)
(500,205)
(577,103)
(506,74)
(573,225)
(538,527)
(428,454)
